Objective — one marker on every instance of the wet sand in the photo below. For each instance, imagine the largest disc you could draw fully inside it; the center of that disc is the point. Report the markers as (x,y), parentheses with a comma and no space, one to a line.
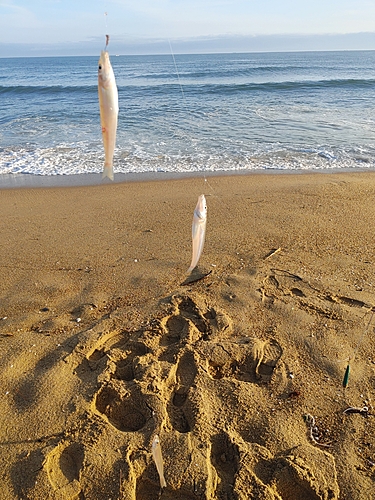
(104,342)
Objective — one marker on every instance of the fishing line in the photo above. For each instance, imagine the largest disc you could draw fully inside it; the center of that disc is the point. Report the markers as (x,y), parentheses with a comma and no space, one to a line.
(188,111)
(177,72)
(185,102)
(106,16)
(106,24)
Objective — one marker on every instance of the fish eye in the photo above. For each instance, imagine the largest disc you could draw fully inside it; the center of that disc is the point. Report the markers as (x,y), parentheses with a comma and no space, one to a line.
(100,67)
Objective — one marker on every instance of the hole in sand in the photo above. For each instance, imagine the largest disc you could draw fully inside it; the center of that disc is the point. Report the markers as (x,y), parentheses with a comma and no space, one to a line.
(124,370)
(71,460)
(297,292)
(121,412)
(177,326)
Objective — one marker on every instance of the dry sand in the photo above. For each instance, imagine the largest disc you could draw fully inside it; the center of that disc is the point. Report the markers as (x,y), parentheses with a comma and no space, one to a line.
(102,347)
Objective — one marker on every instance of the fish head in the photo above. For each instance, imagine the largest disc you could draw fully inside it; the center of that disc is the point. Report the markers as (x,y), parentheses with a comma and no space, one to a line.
(105,71)
(201,208)
(155,442)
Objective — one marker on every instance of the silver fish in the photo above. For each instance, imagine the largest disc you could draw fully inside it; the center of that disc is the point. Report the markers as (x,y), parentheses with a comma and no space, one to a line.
(198,230)
(108,104)
(158,459)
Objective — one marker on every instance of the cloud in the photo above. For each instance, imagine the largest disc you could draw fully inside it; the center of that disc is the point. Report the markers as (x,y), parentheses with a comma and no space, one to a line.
(56,21)
(204,44)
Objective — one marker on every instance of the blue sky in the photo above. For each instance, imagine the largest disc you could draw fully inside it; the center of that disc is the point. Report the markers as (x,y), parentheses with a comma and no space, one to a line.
(64,27)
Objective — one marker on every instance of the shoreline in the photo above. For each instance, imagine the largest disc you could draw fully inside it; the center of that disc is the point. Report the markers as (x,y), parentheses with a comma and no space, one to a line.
(19,181)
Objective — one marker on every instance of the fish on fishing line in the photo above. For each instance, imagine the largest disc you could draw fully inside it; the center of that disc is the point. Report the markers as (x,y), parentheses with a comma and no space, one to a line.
(198,230)
(200,212)
(108,105)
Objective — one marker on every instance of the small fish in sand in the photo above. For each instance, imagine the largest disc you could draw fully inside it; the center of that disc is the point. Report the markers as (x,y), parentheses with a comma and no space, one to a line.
(158,459)
(198,230)
(108,104)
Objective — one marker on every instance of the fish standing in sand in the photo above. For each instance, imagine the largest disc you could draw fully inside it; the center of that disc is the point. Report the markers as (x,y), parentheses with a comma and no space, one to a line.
(108,103)
(158,459)
(198,230)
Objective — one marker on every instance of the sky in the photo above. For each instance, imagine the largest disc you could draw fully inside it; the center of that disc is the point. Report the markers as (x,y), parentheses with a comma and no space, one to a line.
(77,27)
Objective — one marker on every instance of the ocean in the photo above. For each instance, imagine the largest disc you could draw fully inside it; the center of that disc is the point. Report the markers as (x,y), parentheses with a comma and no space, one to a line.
(191,113)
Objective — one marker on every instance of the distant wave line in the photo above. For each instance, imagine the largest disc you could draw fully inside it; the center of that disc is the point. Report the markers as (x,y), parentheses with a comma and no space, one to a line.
(198,86)
(45,89)
(212,73)
(292,85)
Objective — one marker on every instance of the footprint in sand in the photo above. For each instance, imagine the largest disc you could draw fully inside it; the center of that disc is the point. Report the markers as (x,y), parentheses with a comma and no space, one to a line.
(181,411)
(247,360)
(126,410)
(126,366)
(225,458)
(313,298)
(63,465)
(306,472)
(191,321)
(185,323)
(186,376)
(267,357)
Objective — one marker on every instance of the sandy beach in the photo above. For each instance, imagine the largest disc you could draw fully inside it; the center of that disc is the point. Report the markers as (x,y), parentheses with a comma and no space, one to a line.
(105,340)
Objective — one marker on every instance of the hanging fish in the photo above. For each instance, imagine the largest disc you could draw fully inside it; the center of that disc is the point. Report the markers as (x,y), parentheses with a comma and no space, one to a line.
(158,459)
(198,230)
(108,104)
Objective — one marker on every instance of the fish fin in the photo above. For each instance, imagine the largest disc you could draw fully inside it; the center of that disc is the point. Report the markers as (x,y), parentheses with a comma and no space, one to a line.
(108,172)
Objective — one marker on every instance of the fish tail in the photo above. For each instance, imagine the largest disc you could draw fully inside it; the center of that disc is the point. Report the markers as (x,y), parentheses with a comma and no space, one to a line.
(108,172)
